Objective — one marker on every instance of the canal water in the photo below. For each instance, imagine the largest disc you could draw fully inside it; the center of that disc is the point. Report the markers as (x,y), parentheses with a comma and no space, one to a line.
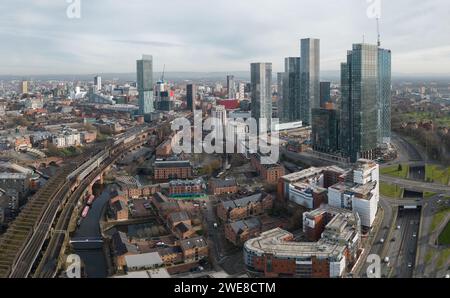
(94,259)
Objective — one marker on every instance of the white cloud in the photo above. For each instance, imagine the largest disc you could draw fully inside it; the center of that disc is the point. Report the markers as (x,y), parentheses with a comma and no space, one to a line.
(218,35)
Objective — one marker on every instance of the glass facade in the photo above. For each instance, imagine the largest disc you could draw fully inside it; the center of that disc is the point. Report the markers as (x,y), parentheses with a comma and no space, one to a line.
(261,92)
(231,87)
(325,130)
(325,93)
(291,89)
(384,96)
(309,77)
(191,95)
(359,103)
(281,102)
(144,71)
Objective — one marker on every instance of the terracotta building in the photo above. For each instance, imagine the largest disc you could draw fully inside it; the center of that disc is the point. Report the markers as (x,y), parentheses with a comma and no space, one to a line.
(220,186)
(242,208)
(167,170)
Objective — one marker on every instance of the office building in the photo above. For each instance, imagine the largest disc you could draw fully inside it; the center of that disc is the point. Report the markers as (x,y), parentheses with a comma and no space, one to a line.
(359,102)
(261,92)
(325,130)
(384,96)
(280,100)
(191,96)
(275,253)
(23,87)
(325,93)
(98,83)
(231,87)
(145,84)
(309,78)
(291,89)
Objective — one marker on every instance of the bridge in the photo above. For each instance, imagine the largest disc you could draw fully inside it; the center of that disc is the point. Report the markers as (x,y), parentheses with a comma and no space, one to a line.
(52,207)
(86,240)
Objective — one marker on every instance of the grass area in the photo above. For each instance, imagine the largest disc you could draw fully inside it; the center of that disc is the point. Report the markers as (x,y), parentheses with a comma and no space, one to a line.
(427,116)
(438,218)
(444,237)
(437,174)
(443,257)
(396,170)
(428,194)
(429,256)
(392,191)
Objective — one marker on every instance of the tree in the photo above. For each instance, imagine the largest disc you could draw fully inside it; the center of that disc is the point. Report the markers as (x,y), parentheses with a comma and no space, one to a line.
(399,168)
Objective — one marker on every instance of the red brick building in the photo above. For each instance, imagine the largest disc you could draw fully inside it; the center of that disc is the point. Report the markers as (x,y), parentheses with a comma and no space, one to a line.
(167,170)
(269,172)
(220,186)
(242,208)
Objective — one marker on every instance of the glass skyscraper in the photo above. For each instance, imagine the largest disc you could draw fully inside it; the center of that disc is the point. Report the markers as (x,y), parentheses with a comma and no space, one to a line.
(325,93)
(291,89)
(145,84)
(231,87)
(191,95)
(280,102)
(261,92)
(359,102)
(309,77)
(325,130)
(384,96)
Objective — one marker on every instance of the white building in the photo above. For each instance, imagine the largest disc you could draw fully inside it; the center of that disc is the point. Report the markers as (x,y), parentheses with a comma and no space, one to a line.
(66,138)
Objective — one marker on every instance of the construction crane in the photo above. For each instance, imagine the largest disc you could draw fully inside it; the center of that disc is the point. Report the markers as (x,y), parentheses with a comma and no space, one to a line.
(162,76)
(378,32)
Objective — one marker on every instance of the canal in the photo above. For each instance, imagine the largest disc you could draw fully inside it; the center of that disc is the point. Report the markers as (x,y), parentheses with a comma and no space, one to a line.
(93,257)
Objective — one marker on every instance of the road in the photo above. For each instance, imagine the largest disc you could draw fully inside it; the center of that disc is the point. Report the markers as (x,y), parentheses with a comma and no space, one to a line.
(415,185)
(403,243)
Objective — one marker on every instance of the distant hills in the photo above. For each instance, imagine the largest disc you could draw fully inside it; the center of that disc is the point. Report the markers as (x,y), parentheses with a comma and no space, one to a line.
(205,76)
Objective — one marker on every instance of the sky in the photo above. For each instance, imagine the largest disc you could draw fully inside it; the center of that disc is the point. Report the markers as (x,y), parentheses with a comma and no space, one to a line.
(38,37)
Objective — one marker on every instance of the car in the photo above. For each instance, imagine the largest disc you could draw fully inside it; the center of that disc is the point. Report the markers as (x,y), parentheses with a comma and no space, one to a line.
(409,265)
(398,227)
(414,235)
(382,240)
(393,239)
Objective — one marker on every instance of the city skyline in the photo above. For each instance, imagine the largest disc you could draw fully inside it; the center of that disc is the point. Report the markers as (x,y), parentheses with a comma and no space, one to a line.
(44,40)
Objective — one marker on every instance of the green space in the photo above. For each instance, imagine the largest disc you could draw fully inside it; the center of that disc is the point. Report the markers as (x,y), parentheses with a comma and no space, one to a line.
(427,116)
(444,237)
(428,194)
(443,257)
(400,171)
(429,256)
(434,173)
(439,217)
(392,191)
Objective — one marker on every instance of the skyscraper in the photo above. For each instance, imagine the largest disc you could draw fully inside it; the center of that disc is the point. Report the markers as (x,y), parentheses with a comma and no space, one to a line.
(359,103)
(261,81)
(325,93)
(325,130)
(145,84)
(23,87)
(384,96)
(291,89)
(309,77)
(98,83)
(191,96)
(280,100)
(231,87)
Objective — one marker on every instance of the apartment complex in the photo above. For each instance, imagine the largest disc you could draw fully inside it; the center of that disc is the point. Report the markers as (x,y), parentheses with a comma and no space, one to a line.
(275,253)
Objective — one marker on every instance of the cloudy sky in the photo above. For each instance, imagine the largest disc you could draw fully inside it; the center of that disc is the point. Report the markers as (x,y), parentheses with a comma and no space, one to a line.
(37,37)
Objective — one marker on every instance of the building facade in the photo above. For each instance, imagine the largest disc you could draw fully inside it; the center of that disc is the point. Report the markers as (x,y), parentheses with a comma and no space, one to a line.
(309,78)
(145,84)
(359,103)
(261,92)
(291,89)
(384,96)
